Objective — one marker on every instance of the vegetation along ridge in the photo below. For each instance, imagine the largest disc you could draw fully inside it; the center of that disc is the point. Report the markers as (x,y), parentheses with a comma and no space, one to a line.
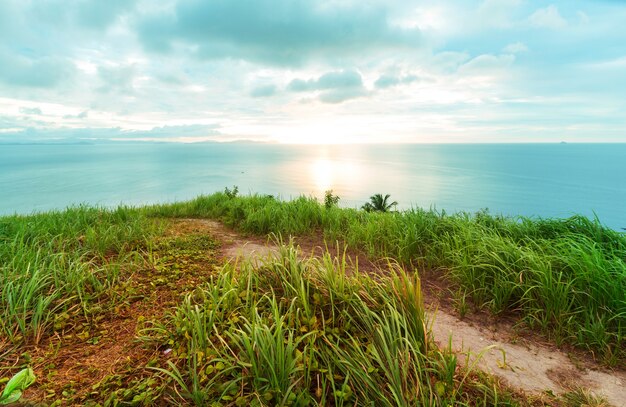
(291,330)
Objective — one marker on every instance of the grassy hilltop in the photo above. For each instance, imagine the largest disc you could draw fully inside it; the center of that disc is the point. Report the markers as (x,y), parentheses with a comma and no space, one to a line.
(291,331)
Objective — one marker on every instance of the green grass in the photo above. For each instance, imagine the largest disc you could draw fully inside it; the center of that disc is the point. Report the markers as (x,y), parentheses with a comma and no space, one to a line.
(57,266)
(302,332)
(565,276)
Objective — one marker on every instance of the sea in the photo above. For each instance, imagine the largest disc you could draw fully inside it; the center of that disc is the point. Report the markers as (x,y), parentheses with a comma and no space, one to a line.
(533,180)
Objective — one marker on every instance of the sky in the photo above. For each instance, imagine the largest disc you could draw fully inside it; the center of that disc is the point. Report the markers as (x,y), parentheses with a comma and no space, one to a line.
(295,71)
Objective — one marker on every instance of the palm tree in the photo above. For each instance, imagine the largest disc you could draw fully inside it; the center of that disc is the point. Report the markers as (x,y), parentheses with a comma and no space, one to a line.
(378,203)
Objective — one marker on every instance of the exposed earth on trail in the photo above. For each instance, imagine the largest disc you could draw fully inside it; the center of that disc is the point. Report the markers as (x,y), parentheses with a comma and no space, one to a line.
(521,360)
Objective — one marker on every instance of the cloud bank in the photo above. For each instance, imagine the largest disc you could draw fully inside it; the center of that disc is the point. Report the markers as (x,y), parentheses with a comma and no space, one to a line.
(302,71)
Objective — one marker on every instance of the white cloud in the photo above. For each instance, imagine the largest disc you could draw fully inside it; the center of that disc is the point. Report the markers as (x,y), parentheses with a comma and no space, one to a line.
(263,91)
(22,69)
(515,48)
(31,111)
(387,81)
(276,32)
(82,115)
(548,17)
(616,63)
(498,13)
(449,61)
(335,86)
(487,76)
(267,67)
(117,78)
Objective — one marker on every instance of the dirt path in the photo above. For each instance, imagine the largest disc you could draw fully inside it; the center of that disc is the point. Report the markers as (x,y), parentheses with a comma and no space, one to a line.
(531,367)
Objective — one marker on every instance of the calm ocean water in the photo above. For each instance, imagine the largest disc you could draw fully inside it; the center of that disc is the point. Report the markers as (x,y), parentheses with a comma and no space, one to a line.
(547,180)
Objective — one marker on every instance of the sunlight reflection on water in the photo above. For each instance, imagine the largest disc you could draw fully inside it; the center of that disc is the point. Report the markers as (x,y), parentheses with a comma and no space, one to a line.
(325,174)
(348,172)
(321,171)
(545,180)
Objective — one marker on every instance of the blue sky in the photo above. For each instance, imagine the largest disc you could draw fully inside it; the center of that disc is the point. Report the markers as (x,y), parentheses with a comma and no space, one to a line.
(313,71)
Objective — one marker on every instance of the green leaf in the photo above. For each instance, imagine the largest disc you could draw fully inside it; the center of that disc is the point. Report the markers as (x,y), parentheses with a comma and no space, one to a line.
(14,388)
(440,388)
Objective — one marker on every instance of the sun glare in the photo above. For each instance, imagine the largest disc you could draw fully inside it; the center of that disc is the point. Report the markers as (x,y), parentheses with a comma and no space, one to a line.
(322,174)
(341,175)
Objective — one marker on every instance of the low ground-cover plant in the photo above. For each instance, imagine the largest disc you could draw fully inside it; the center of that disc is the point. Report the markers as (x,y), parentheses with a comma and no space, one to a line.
(16,385)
